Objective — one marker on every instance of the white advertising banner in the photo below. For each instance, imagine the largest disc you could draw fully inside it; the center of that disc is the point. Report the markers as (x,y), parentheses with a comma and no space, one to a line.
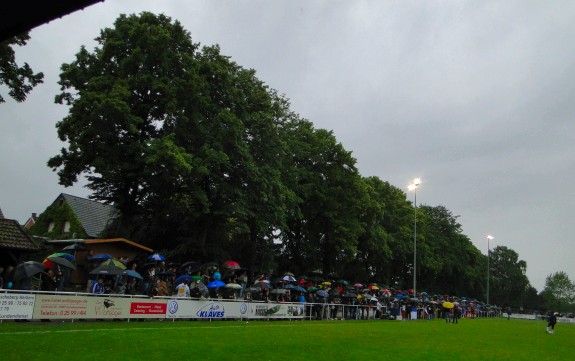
(278,310)
(205,309)
(16,306)
(102,307)
(216,309)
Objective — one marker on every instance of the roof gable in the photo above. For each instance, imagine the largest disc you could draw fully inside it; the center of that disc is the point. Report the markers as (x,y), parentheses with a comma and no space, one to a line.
(13,236)
(94,216)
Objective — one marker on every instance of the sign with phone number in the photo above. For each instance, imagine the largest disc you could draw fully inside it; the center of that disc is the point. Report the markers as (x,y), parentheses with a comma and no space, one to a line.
(16,306)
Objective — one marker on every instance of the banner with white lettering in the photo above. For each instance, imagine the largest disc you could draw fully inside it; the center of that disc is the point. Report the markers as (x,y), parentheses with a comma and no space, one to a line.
(16,306)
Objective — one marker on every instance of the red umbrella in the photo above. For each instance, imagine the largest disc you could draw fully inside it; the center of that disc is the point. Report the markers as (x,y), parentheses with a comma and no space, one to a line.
(232,264)
(358,285)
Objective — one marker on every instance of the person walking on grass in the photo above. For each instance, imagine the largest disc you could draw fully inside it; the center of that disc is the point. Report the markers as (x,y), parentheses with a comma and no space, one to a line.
(551,321)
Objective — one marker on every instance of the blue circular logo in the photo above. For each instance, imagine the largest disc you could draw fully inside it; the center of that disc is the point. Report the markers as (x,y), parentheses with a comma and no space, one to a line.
(173,307)
(243,308)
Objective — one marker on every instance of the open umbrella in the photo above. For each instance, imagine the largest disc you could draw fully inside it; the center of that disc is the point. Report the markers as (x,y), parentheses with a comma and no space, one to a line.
(289,278)
(216,284)
(67,256)
(447,304)
(358,285)
(27,269)
(322,293)
(183,278)
(100,257)
(209,266)
(50,262)
(261,285)
(234,286)
(190,266)
(114,262)
(232,265)
(278,291)
(156,257)
(109,269)
(74,247)
(299,289)
(132,273)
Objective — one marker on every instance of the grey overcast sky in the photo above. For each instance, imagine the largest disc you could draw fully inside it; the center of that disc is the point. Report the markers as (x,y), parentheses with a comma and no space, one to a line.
(474,97)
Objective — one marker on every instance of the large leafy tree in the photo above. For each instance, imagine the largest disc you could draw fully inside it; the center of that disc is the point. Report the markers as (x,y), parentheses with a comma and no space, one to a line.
(323,224)
(20,80)
(122,95)
(559,291)
(183,140)
(508,280)
(384,246)
(447,260)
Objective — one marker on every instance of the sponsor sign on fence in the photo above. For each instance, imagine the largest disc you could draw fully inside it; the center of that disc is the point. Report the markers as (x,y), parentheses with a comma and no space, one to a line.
(205,309)
(70,307)
(102,307)
(15,306)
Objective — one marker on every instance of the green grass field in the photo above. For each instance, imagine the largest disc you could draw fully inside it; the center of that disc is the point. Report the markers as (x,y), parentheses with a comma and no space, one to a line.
(478,339)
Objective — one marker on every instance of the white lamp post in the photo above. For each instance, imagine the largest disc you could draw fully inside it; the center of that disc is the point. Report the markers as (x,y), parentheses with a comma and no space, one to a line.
(413,187)
(489,238)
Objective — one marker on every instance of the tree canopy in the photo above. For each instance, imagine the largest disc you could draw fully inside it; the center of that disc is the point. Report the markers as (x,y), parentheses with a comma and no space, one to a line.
(20,80)
(559,291)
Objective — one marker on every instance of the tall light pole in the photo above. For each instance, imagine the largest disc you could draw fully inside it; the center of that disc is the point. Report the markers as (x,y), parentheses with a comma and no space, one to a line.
(489,238)
(413,187)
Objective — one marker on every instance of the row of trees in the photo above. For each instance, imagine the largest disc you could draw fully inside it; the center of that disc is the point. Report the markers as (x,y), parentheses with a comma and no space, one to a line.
(206,162)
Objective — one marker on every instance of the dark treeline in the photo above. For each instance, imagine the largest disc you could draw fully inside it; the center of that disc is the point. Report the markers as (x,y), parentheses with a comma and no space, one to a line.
(206,162)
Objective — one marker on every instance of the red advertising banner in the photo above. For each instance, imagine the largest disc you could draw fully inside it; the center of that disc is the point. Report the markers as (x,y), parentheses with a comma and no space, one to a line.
(148,308)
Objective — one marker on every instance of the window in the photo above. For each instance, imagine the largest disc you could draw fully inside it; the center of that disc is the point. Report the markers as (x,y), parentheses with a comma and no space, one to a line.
(51,226)
(66,226)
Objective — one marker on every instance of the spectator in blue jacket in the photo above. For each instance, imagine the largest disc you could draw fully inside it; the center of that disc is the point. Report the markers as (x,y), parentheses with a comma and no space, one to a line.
(98,287)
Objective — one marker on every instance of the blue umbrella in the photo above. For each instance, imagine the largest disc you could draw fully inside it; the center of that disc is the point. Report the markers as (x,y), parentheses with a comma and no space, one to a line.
(183,278)
(157,257)
(100,257)
(216,284)
(299,289)
(322,293)
(132,273)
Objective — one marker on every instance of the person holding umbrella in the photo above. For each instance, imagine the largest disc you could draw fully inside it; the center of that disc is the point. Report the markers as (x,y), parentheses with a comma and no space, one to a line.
(49,281)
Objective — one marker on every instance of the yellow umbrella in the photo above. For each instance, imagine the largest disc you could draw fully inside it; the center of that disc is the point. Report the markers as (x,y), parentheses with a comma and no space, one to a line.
(447,304)
(326,283)
(114,262)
